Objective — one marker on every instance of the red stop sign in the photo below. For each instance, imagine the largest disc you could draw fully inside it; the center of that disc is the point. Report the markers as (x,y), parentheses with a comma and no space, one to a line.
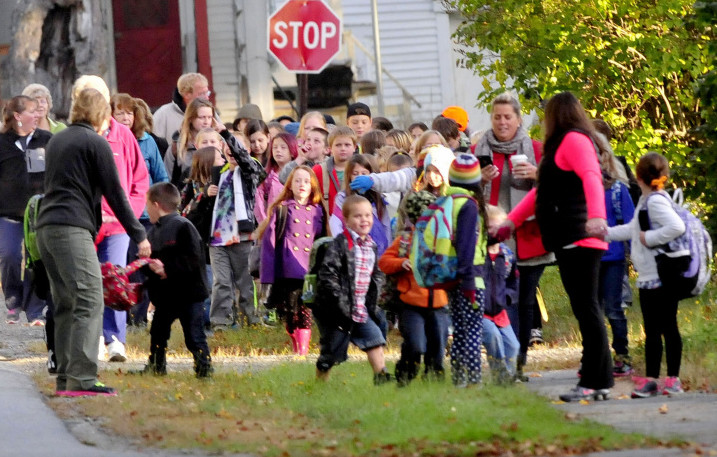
(304,35)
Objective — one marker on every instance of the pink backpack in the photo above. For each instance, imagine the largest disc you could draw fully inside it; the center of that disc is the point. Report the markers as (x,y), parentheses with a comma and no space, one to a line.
(121,294)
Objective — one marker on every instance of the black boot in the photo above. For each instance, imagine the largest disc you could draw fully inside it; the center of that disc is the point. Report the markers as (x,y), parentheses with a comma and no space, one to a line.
(203,365)
(381,377)
(520,363)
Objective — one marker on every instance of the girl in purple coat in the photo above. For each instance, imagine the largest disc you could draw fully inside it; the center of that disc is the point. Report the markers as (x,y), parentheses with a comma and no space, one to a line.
(296,219)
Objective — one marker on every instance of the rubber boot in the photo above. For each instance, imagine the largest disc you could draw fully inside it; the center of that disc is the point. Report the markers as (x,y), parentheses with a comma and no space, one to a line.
(294,342)
(303,337)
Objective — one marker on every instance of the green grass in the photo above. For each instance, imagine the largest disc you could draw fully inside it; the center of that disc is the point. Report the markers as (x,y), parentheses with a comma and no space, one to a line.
(696,320)
(285,410)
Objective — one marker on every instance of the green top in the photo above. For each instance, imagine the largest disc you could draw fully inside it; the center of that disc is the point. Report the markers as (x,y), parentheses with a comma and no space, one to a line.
(56,126)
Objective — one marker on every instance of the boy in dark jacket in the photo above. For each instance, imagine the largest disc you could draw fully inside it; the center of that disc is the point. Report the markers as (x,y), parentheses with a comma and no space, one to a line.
(348,285)
(501,290)
(177,288)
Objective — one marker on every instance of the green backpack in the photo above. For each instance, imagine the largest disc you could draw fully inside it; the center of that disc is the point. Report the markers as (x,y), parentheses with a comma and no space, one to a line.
(318,250)
(30,228)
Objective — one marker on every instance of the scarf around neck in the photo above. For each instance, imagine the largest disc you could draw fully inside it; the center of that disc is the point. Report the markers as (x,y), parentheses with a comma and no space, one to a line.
(520,144)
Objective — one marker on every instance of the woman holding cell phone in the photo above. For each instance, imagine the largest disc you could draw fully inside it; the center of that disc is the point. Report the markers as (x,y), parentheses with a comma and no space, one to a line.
(509,162)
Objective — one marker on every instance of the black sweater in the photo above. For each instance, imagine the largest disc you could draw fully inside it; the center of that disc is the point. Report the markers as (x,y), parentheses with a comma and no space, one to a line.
(79,170)
(178,245)
(17,184)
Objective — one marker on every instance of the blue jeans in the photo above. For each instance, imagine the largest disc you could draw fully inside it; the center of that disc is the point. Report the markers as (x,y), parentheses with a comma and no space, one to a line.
(114,249)
(610,295)
(334,341)
(501,345)
(16,289)
(424,332)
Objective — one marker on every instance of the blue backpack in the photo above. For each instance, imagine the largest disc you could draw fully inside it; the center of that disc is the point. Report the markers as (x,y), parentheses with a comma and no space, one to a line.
(683,264)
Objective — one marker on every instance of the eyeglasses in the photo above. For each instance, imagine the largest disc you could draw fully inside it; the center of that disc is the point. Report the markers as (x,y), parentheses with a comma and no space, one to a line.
(206,94)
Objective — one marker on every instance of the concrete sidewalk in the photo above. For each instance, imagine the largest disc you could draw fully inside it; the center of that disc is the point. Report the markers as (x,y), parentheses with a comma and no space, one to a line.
(31,429)
(689,416)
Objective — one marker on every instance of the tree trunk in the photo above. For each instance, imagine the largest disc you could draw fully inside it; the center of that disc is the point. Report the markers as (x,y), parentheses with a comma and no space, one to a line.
(54,42)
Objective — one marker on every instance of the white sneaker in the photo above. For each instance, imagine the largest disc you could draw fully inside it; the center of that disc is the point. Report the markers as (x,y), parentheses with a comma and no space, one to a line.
(102,353)
(116,351)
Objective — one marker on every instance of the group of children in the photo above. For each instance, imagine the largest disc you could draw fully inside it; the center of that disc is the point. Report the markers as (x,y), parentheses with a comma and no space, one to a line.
(298,196)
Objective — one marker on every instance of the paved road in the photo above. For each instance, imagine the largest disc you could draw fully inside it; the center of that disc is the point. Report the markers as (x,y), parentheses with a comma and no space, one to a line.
(31,429)
(691,416)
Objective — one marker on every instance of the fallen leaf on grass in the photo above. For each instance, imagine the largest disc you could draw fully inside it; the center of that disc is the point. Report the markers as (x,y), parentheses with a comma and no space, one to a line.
(571,416)
(663,409)
(584,402)
(535,375)
(557,402)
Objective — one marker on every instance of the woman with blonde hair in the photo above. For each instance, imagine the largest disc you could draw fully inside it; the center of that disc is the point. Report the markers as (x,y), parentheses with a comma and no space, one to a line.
(80,171)
(42,96)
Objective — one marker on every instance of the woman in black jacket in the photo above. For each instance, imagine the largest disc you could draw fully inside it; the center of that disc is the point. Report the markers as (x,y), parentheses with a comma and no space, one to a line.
(80,171)
(22,174)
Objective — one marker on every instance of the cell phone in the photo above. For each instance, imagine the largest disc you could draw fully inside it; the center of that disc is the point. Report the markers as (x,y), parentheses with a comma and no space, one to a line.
(485,161)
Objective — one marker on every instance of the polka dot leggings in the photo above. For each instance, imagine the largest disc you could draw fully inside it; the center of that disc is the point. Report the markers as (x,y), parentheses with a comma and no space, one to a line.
(467,338)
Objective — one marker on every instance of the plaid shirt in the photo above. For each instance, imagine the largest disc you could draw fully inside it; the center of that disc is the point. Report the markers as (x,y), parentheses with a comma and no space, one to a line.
(365,258)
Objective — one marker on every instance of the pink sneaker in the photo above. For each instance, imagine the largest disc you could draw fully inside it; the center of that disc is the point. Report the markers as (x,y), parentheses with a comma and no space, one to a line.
(98,389)
(673,386)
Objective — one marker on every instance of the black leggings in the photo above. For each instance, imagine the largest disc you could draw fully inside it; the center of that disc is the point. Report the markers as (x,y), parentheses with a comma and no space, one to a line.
(659,312)
(579,271)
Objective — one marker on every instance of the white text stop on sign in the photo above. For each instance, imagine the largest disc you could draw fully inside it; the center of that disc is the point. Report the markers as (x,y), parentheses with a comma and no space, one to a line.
(312,34)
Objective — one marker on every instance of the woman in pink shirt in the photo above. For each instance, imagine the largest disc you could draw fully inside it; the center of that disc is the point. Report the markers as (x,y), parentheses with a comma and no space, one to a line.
(569,204)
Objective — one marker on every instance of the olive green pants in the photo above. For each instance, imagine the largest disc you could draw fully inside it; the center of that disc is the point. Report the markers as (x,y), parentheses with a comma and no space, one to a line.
(76,284)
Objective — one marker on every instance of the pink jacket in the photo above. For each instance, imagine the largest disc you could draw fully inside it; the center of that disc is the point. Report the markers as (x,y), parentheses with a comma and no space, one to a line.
(266,194)
(132,173)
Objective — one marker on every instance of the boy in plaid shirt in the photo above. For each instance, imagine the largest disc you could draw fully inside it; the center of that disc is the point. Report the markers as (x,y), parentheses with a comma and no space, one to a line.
(348,285)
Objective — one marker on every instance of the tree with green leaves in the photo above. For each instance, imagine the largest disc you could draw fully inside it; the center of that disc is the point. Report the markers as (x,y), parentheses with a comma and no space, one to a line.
(633,63)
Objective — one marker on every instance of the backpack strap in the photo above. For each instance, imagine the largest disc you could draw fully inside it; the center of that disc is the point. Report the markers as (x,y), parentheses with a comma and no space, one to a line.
(325,172)
(335,180)
(617,202)
(349,239)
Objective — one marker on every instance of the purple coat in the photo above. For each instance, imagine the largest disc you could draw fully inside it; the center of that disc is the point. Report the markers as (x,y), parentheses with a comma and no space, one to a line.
(304,224)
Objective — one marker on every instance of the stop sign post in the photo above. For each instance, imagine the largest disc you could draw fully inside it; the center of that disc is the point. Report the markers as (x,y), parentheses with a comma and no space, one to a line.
(304,35)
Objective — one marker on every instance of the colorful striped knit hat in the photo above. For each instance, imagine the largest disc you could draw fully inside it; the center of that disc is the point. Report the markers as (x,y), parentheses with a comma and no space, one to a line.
(465,171)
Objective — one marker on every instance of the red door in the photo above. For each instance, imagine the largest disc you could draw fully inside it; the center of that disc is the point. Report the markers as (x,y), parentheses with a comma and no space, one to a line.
(148,48)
